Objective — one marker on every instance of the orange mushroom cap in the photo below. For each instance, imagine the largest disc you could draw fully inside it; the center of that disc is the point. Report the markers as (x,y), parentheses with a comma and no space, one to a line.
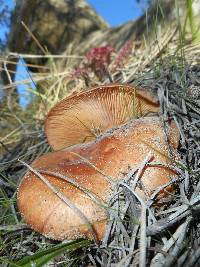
(82,117)
(114,152)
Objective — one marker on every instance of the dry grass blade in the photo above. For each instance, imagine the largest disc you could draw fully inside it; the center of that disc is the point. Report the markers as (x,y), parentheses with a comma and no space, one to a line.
(92,196)
(177,237)
(44,56)
(37,78)
(28,65)
(159,47)
(34,38)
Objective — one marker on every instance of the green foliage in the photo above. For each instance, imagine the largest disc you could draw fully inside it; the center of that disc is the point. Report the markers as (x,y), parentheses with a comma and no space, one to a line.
(42,257)
(189,23)
(192,21)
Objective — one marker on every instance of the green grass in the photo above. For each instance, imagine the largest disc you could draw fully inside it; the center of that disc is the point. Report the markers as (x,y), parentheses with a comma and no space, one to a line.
(194,27)
(40,258)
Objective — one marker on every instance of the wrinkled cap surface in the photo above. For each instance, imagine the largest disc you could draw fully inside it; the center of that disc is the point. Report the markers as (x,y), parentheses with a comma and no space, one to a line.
(114,153)
(82,117)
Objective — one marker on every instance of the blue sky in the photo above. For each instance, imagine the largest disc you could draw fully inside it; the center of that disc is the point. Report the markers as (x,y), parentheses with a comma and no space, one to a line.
(115,12)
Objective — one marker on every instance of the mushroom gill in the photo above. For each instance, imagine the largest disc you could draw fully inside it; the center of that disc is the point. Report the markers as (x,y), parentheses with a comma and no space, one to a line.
(79,174)
(82,117)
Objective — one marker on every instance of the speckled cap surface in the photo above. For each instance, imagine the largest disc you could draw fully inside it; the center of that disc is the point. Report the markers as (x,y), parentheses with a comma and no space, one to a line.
(114,152)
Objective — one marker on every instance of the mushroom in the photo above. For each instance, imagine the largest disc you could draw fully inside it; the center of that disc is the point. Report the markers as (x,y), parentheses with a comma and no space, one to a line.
(84,174)
(82,117)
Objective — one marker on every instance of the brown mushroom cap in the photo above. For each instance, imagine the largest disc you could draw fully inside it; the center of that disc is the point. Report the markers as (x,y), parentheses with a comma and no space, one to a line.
(82,117)
(114,152)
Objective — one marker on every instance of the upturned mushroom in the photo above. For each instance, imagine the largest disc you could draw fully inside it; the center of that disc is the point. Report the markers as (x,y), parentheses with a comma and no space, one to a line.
(80,175)
(82,117)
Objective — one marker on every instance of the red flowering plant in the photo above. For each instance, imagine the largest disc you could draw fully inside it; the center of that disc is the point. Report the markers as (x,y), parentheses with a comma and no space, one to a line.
(122,55)
(98,60)
(81,72)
